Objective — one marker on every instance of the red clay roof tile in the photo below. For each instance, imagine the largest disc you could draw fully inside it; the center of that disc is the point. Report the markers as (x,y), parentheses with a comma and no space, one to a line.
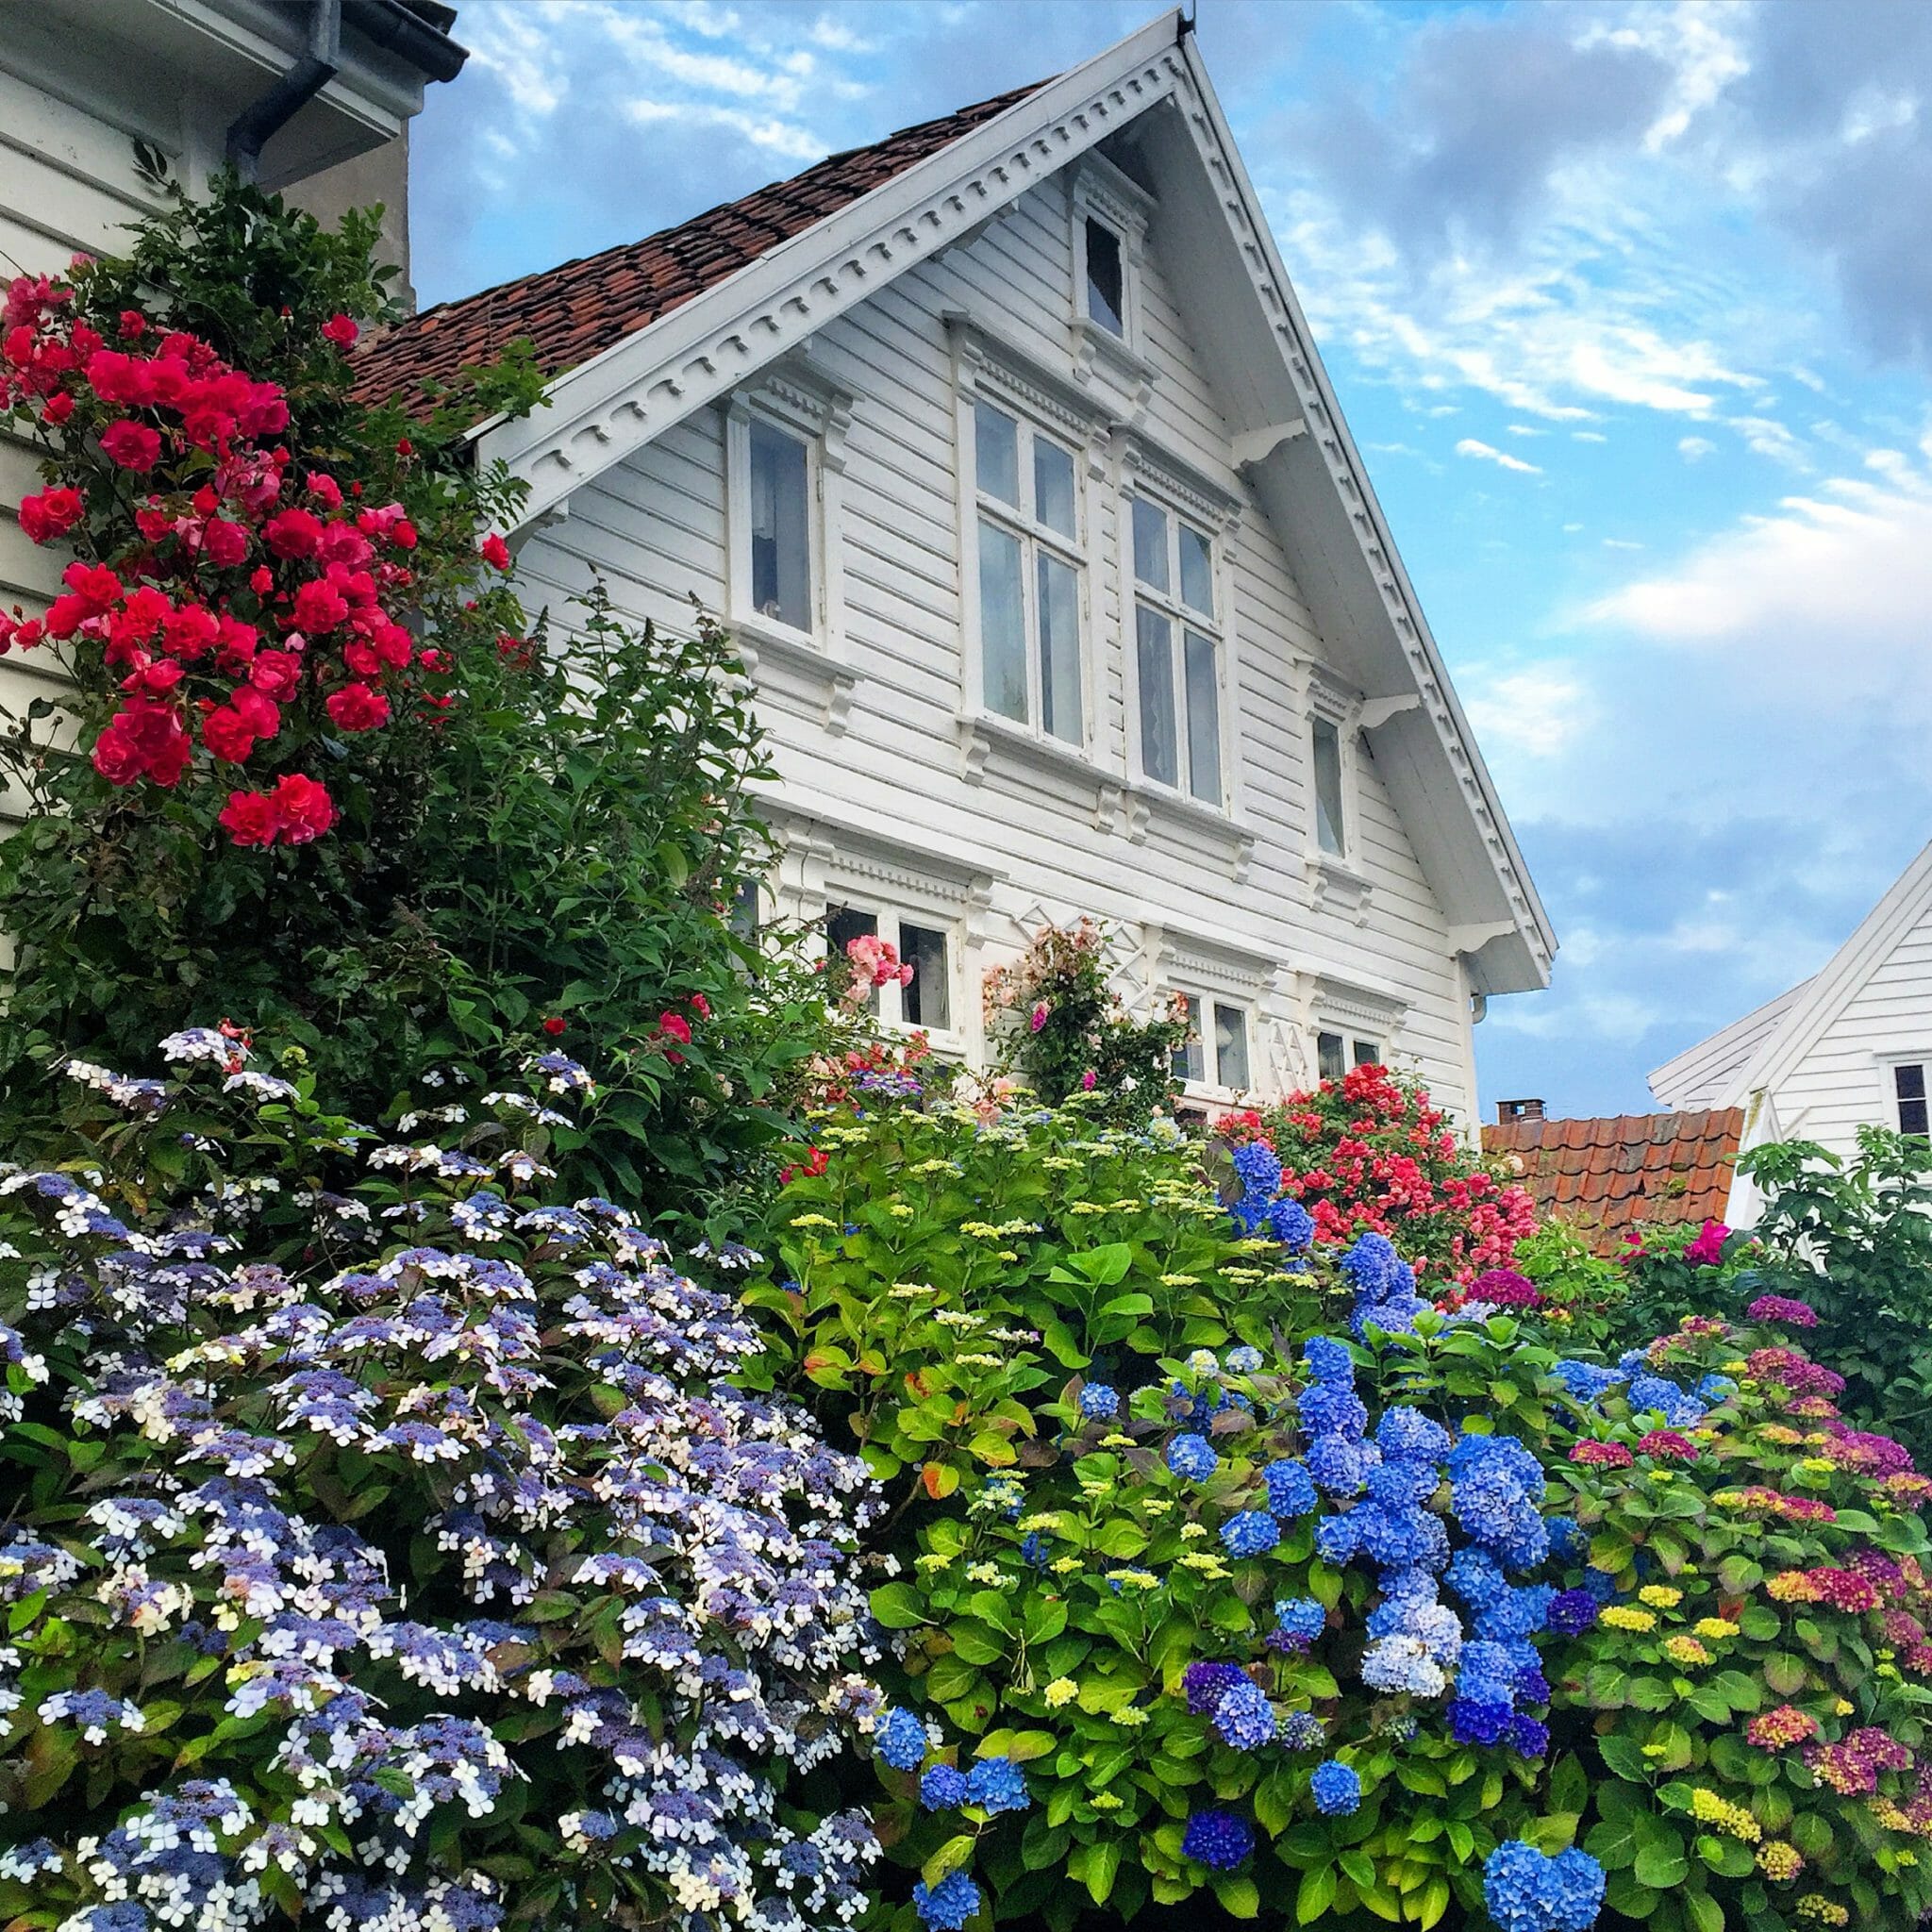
(575,311)
(1609,1176)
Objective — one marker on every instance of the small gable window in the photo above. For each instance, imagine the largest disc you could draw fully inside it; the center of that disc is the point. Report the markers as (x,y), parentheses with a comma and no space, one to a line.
(781,572)
(1331,830)
(1106,280)
(1908,1093)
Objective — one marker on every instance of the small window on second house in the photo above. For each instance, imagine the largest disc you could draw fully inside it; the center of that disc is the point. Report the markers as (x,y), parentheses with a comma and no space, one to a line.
(1106,280)
(781,584)
(1331,831)
(1908,1089)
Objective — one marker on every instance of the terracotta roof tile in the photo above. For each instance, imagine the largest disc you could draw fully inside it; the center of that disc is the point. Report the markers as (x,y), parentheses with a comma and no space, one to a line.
(575,311)
(1609,1176)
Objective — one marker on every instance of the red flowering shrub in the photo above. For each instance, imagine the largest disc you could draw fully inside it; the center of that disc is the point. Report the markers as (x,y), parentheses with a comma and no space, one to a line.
(1368,1152)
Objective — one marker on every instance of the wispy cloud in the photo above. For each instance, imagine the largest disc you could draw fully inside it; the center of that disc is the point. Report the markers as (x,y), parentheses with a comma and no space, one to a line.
(1537,711)
(1468,446)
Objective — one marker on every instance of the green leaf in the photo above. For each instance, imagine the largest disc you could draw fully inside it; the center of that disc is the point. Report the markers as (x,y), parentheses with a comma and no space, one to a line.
(899,1605)
(1103,1862)
(1240,1898)
(1315,1894)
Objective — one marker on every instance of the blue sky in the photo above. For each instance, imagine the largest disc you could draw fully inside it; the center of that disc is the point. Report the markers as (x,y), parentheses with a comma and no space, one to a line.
(1630,308)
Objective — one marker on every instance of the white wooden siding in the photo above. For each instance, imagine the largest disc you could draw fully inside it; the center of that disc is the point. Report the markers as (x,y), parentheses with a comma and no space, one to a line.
(655,527)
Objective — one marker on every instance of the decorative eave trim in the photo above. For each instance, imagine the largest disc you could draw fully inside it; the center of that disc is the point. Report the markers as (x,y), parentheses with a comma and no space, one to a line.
(1217,962)
(997,363)
(866,855)
(1350,1003)
(1214,143)
(607,407)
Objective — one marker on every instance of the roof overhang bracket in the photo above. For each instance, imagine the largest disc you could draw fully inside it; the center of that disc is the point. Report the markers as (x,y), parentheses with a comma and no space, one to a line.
(1254,446)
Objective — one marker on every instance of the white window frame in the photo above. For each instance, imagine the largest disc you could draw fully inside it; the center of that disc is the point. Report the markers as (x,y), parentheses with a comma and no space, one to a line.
(1212,1001)
(1218,629)
(891,914)
(1358,1016)
(1889,1064)
(1099,192)
(1337,882)
(1218,972)
(1359,1044)
(802,403)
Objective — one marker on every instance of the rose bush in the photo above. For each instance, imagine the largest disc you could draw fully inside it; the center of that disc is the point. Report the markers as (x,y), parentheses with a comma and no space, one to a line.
(398,1554)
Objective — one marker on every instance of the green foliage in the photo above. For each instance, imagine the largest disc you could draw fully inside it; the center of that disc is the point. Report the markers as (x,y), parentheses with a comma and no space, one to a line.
(1854,1241)
(1583,1294)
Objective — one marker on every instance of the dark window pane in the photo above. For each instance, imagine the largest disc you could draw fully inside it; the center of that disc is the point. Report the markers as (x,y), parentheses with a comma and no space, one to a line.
(1191,1058)
(1159,751)
(1909,1081)
(780,528)
(1197,572)
(1327,745)
(745,910)
(1059,649)
(1330,1057)
(927,998)
(1203,718)
(843,925)
(1106,302)
(1150,543)
(1367,1054)
(1912,1118)
(1230,1045)
(1002,622)
(996,452)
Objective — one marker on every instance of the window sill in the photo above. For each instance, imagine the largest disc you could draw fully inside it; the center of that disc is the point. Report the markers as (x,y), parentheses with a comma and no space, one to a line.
(1148,800)
(990,741)
(788,663)
(1337,887)
(1100,353)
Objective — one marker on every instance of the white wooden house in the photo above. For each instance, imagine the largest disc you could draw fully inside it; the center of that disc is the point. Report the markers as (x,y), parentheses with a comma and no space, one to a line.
(1848,1048)
(104,101)
(1005,448)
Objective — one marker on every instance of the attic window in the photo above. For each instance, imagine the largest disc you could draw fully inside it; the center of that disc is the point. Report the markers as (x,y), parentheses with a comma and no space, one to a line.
(1908,1089)
(1330,826)
(1106,280)
(780,526)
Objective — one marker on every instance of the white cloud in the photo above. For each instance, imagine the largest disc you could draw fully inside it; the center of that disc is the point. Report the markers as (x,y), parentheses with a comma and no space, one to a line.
(781,137)
(1587,436)
(1524,429)
(1770,438)
(1468,446)
(1536,711)
(1621,543)
(1695,448)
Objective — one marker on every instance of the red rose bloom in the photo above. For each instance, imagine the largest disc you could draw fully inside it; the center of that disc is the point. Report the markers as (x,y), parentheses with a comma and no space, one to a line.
(133,323)
(59,407)
(51,514)
(259,713)
(552,1026)
(342,331)
(319,606)
(355,707)
(292,533)
(275,673)
(249,818)
(133,445)
(700,1006)
(305,808)
(495,552)
(673,1026)
(229,736)
(224,545)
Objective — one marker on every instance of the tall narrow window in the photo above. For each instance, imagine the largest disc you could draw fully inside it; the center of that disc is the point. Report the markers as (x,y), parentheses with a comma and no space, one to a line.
(1106,281)
(1177,653)
(1330,827)
(1031,662)
(1909,1089)
(1230,1045)
(1213,1054)
(1331,1055)
(780,526)
(1191,1057)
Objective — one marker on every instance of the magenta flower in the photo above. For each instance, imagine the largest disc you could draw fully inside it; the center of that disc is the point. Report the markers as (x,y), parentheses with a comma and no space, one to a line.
(1039,1013)
(1782,1308)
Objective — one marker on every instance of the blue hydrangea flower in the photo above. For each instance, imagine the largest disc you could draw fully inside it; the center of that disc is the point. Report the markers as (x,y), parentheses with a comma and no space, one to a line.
(1244,1717)
(1329,1361)
(1207,1684)
(1291,1225)
(1336,1788)
(1300,1619)
(1337,1539)
(1218,1840)
(1035,1549)
(1191,1458)
(943,1789)
(1679,1408)
(900,1739)
(1259,1168)
(1516,1612)
(1098,1402)
(997,1784)
(1290,1489)
(1567,1539)
(1586,1382)
(1486,1674)
(1244,1360)
(1333,1408)
(948,1904)
(1302,1730)
(1252,1533)
(1528,1737)
(1471,1722)
(1336,1464)
(1527,1891)
(1572,1613)
(1407,1433)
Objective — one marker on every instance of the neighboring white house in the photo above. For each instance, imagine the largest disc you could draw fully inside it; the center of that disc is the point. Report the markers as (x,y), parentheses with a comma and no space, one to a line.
(1003,447)
(103,101)
(1850,1047)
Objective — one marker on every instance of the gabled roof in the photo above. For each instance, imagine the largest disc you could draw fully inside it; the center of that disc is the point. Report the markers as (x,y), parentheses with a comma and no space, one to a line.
(727,317)
(577,311)
(1756,1058)
(1612,1175)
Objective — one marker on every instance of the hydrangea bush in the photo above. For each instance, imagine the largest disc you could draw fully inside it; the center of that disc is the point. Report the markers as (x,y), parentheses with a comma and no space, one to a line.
(1370,1153)
(387,1544)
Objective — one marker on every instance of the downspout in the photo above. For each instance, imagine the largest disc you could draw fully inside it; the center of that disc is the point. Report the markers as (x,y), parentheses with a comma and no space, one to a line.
(274,110)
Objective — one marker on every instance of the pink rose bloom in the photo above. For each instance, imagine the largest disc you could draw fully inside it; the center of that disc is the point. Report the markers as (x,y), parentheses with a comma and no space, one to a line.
(1089,1080)
(1707,1250)
(1039,1013)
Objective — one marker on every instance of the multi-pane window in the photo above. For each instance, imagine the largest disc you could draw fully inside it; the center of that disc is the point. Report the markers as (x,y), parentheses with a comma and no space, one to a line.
(1228,1044)
(1335,1054)
(1331,830)
(1908,1091)
(781,560)
(1178,652)
(925,999)
(1029,575)
(1106,280)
